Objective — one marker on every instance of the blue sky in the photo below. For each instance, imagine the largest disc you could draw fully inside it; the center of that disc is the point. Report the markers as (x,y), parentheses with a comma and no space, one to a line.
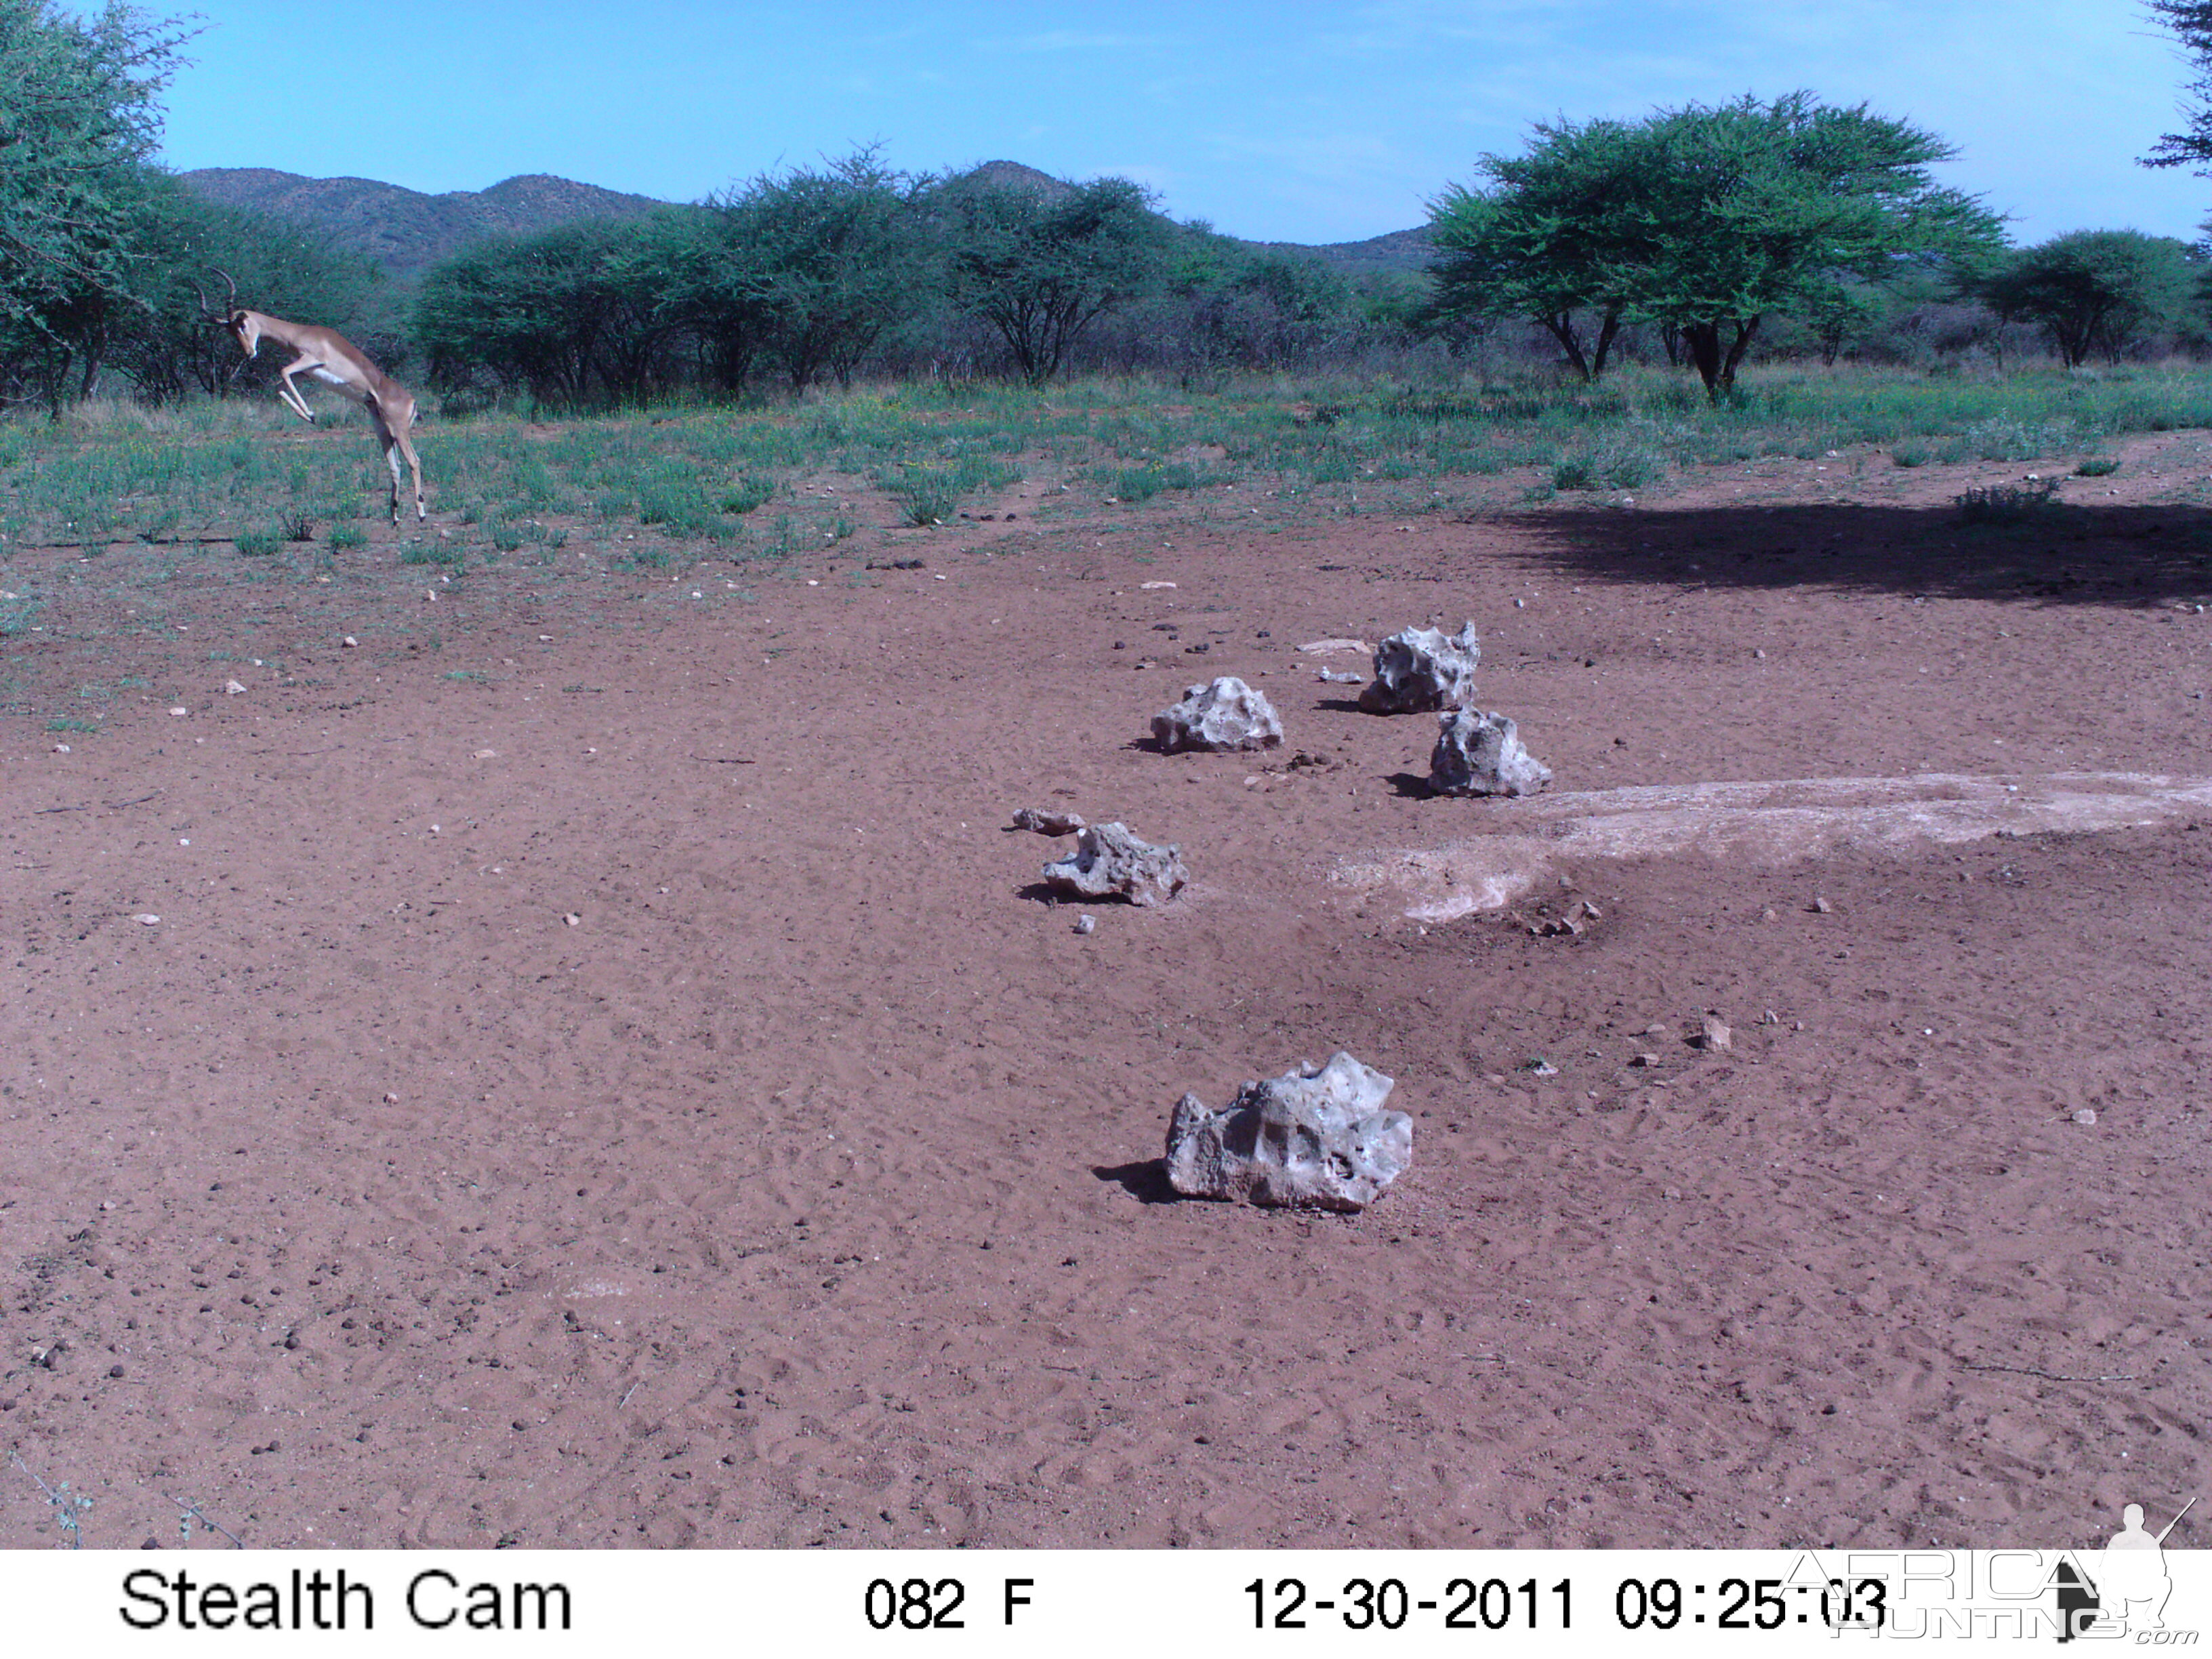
(1291,122)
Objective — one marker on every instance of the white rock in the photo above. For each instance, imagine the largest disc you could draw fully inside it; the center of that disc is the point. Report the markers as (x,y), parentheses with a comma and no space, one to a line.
(147,919)
(1316,1136)
(1108,860)
(180,711)
(1225,715)
(1480,754)
(1045,821)
(61,749)
(1087,924)
(1421,669)
(2085,1115)
(232,689)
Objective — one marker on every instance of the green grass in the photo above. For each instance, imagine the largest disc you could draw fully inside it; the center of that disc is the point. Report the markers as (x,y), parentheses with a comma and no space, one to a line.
(700,476)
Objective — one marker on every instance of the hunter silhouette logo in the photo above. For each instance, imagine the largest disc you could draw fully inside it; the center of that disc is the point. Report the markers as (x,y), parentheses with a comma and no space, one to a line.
(2125,1587)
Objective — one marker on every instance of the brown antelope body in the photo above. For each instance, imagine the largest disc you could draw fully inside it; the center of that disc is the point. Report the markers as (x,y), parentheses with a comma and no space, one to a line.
(335,360)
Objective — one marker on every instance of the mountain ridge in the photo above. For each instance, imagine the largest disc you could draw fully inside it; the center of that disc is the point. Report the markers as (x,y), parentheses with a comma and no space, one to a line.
(408,231)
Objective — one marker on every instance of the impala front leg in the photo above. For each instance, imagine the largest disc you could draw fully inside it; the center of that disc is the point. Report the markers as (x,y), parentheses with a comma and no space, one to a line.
(291,393)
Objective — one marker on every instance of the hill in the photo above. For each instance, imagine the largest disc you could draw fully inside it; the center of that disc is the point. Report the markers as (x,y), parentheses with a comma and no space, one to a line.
(404,230)
(407,231)
(1393,250)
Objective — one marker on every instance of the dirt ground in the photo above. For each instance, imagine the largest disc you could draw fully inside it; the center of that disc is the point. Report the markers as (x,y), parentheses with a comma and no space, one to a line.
(604,1074)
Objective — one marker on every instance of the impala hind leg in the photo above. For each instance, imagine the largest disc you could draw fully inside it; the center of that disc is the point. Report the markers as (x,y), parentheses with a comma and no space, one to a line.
(396,445)
(406,447)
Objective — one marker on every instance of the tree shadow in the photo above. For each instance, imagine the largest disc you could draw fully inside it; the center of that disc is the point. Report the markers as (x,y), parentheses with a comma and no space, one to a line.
(2061,554)
(1147,1183)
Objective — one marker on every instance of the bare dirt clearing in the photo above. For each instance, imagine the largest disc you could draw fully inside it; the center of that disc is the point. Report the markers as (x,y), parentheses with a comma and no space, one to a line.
(601,1073)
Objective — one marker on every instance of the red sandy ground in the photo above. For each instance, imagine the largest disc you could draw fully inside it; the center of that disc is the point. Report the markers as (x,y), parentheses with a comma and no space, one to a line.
(802,1190)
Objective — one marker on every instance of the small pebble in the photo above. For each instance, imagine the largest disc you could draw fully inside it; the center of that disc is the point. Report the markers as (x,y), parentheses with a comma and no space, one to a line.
(2086,1114)
(348,641)
(180,711)
(232,689)
(1086,924)
(573,920)
(147,919)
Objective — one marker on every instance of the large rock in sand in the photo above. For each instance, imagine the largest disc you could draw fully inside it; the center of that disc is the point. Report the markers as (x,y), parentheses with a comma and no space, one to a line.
(1421,669)
(1318,1138)
(1224,715)
(1478,754)
(1108,860)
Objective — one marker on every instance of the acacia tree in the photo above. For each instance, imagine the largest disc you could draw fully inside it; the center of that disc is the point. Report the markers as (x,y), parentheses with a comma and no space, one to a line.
(1704,219)
(573,313)
(710,292)
(1542,240)
(832,261)
(2192,20)
(1039,265)
(79,121)
(1749,207)
(2093,290)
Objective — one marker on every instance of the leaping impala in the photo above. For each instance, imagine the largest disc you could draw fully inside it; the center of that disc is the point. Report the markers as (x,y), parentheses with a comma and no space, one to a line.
(335,360)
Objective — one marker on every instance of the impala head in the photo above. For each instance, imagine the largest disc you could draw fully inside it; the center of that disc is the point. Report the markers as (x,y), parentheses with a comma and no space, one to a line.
(241,324)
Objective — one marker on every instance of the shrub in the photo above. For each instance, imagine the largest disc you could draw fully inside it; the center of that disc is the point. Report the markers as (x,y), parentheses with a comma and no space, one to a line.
(1611,466)
(2009,504)
(747,494)
(258,543)
(930,495)
(345,537)
(2097,466)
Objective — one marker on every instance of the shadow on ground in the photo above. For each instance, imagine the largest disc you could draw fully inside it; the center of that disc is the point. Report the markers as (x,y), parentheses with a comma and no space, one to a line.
(1147,1182)
(2065,555)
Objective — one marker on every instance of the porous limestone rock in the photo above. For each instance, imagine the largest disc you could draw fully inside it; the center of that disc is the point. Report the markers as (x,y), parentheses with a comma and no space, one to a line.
(1108,860)
(1479,754)
(1225,715)
(1046,821)
(1317,1136)
(1419,669)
